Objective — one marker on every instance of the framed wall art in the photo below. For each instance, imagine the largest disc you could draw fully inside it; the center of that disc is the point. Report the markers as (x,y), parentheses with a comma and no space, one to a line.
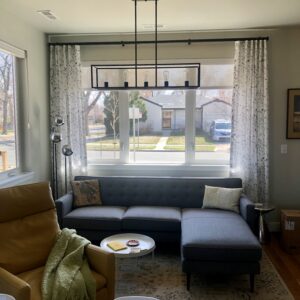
(293,114)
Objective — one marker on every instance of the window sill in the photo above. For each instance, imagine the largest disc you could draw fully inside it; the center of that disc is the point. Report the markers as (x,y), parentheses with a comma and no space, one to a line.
(18,179)
(178,170)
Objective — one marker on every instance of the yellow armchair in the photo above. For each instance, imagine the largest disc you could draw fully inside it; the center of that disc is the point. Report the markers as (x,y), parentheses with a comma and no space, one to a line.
(28,229)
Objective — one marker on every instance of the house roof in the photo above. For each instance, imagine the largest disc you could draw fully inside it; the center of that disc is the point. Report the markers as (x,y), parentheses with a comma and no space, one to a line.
(178,101)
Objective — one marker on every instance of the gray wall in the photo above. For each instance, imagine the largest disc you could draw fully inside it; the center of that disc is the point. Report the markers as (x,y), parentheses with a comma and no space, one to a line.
(34,106)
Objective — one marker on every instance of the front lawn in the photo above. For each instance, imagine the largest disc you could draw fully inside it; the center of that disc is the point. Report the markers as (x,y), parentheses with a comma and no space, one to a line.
(180,140)
(199,148)
(146,139)
(116,147)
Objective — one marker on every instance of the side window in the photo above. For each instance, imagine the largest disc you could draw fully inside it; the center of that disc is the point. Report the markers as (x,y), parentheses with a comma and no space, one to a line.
(8,134)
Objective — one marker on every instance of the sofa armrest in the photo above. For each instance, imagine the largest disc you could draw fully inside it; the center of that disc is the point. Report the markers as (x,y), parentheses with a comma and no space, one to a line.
(14,286)
(64,205)
(249,214)
(103,263)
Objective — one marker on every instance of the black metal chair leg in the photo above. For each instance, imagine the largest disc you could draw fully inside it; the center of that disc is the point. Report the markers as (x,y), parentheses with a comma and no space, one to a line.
(188,281)
(252,283)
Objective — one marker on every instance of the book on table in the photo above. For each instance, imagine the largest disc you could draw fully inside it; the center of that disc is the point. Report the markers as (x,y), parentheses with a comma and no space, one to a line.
(116,245)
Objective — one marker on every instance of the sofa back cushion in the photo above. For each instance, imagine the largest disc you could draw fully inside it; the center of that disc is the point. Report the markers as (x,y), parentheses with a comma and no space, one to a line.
(158,191)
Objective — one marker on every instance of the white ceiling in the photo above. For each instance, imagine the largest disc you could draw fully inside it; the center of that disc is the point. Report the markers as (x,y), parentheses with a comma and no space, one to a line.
(91,16)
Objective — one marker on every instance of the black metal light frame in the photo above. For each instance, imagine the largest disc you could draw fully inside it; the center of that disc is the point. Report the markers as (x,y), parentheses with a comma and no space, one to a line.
(96,69)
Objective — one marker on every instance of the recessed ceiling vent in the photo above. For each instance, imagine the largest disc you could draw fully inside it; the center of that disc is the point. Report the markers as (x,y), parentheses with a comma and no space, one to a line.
(47,14)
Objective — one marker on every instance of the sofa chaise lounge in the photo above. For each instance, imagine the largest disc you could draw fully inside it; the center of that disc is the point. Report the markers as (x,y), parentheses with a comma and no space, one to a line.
(170,210)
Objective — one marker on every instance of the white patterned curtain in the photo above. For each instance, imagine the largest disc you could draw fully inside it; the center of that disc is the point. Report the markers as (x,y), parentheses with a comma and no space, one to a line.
(250,114)
(66,101)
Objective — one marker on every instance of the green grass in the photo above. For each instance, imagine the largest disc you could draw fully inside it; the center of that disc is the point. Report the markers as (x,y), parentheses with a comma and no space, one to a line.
(202,140)
(175,147)
(176,140)
(205,148)
(199,148)
(180,140)
(110,147)
(174,143)
(102,147)
(146,139)
(143,147)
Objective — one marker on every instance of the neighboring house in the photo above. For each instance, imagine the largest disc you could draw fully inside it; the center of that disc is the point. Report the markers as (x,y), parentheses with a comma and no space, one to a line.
(167,112)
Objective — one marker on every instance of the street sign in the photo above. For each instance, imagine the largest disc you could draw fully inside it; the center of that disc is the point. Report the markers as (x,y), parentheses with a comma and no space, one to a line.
(134,113)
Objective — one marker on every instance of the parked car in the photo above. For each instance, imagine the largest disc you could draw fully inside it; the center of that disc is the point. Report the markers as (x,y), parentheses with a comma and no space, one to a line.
(220,130)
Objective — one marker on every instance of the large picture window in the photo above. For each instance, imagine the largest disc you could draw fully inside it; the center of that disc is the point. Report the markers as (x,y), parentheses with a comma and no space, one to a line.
(8,136)
(162,126)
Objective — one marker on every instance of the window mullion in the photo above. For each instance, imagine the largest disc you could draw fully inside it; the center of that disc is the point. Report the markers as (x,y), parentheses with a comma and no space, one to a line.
(190,102)
(124,126)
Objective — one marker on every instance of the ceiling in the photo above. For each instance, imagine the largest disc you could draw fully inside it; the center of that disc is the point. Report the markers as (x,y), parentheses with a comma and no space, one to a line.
(117,16)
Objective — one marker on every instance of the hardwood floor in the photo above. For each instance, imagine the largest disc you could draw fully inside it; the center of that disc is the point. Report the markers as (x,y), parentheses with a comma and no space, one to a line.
(287,265)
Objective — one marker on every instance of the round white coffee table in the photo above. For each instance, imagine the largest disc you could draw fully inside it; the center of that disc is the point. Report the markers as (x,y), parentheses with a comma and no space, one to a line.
(147,245)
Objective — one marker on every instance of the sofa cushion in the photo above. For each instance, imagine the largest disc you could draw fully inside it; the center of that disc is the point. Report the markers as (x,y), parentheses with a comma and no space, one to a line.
(95,218)
(217,236)
(152,218)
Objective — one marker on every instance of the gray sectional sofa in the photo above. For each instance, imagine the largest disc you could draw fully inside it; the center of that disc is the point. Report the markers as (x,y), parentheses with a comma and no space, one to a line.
(169,210)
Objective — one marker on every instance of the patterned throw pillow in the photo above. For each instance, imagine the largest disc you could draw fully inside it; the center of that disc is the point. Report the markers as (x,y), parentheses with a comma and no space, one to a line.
(222,198)
(86,193)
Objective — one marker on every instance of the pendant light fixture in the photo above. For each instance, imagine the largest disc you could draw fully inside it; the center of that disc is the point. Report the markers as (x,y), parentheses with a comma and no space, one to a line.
(145,76)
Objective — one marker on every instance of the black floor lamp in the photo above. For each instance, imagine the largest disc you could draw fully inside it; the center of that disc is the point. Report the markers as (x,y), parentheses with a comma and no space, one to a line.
(56,138)
(66,151)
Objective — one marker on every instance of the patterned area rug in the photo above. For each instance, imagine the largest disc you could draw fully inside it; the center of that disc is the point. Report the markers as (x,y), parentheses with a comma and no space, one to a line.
(162,278)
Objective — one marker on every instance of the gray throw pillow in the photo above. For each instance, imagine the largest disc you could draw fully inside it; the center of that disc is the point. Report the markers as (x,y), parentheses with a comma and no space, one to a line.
(222,198)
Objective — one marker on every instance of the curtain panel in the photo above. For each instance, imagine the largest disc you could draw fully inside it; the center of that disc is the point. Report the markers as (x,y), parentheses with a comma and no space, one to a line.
(250,119)
(66,101)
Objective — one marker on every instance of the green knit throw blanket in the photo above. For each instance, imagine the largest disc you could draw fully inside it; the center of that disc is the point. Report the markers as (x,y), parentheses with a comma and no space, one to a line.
(67,275)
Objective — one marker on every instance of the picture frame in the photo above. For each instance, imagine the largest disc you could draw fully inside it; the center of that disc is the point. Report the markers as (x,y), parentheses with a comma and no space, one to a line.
(293,114)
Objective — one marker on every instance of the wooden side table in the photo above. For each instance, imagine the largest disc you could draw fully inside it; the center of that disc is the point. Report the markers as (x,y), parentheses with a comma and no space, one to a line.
(263,209)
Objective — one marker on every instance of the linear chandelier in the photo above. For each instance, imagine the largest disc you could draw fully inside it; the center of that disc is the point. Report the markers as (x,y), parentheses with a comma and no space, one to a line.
(145,76)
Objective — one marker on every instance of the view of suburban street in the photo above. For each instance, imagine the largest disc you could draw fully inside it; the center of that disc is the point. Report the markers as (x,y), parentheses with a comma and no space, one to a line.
(157,127)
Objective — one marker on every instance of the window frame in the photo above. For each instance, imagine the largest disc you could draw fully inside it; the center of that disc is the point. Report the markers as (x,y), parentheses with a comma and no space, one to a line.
(19,58)
(123,165)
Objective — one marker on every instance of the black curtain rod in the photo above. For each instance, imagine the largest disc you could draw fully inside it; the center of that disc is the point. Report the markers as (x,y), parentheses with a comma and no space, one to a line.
(186,41)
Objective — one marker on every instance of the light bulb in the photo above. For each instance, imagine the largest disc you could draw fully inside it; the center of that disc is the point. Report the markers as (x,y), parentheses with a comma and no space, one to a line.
(166,75)
(125,76)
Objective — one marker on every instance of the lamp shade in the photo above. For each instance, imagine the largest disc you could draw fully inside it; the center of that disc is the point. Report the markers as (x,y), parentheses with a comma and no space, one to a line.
(55,137)
(59,121)
(66,150)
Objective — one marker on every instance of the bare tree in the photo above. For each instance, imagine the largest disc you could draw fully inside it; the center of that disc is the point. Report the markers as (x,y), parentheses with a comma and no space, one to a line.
(90,102)
(111,110)
(5,86)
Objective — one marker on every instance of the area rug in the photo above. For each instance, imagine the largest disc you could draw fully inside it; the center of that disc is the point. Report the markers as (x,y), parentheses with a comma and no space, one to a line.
(163,279)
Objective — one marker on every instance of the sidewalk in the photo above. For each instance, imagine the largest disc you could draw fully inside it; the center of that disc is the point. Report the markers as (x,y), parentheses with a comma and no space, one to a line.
(162,143)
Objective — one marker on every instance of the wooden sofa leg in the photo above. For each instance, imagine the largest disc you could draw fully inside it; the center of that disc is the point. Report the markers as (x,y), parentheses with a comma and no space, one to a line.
(188,281)
(252,283)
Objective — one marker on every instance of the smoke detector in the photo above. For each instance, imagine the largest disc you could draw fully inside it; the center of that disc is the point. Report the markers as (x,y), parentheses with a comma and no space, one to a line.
(47,14)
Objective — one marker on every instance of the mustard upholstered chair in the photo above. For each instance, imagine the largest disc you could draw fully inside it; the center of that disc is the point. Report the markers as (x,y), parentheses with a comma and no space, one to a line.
(28,229)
